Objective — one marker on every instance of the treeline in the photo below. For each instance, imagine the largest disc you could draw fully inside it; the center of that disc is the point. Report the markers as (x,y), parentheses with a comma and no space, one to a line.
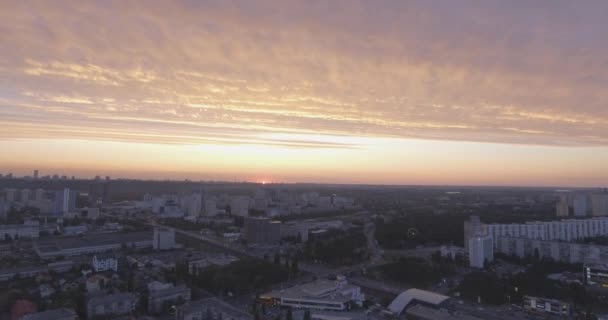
(492,289)
(337,247)
(240,277)
(427,229)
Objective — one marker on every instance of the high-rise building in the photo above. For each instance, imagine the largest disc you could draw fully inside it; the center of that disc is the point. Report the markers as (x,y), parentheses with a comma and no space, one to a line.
(472,227)
(599,204)
(562,208)
(35,174)
(39,195)
(481,249)
(239,206)
(25,195)
(580,205)
(262,230)
(210,207)
(163,238)
(11,195)
(65,201)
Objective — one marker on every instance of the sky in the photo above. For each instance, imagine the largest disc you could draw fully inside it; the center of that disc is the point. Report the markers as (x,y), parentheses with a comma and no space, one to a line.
(380,92)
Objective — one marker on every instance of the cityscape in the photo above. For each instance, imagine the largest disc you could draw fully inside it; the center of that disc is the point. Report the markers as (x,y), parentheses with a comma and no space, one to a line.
(303,160)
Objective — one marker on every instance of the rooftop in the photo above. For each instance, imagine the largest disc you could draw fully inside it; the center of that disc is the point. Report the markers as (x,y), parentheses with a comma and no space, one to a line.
(423,312)
(319,289)
(111,298)
(51,314)
(406,297)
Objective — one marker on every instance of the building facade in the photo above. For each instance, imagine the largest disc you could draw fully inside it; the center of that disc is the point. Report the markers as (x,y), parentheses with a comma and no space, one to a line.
(111,305)
(481,250)
(163,238)
(262,230)
(555,250)
(564,230)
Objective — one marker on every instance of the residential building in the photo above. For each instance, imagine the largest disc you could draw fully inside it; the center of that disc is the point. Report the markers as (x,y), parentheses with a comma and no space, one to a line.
(546,306)
(10,195)
(54,314)
(111,305)
(163,296)
(562,208)
(481,250)
(29,229)
(262,230)
(104,262)
(565,230)
(320,294)
(556,250)
(596,274)
(580,205)
(39,195)
(239,206)
(164,238)
(599,204)
(210,207)
(25,196)
(210,308)
(65,201)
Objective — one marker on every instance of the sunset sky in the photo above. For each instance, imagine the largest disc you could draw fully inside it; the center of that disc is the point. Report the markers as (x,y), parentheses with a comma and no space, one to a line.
(384,92)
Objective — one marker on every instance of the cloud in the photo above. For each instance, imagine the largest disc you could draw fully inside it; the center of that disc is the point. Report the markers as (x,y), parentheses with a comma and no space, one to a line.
(230,72)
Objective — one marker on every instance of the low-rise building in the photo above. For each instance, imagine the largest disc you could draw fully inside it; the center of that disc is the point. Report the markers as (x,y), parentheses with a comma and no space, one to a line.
(74,230)
(72,246)
(29,229)
(596,275)
(104,262)
(546,306)
(161,297)
(32,271)
(55,314)
(111,305)
(319,294)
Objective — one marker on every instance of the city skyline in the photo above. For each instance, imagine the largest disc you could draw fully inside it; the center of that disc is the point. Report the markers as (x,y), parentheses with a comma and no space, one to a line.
(409,93)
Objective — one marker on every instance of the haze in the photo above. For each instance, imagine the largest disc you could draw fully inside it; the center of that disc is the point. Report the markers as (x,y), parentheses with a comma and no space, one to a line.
(398,92)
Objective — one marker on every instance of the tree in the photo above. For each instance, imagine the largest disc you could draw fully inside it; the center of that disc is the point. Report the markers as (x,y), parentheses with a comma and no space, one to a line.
(277,258)
(294,266)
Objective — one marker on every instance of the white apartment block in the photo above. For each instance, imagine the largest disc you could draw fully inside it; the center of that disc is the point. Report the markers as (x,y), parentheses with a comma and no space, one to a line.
(104,262)
(163,239)
(481,249)
(564,230)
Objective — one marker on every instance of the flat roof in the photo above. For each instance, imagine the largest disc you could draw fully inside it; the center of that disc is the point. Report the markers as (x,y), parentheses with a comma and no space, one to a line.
(54,244)
(317,290)
(430,313)
(51,314)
